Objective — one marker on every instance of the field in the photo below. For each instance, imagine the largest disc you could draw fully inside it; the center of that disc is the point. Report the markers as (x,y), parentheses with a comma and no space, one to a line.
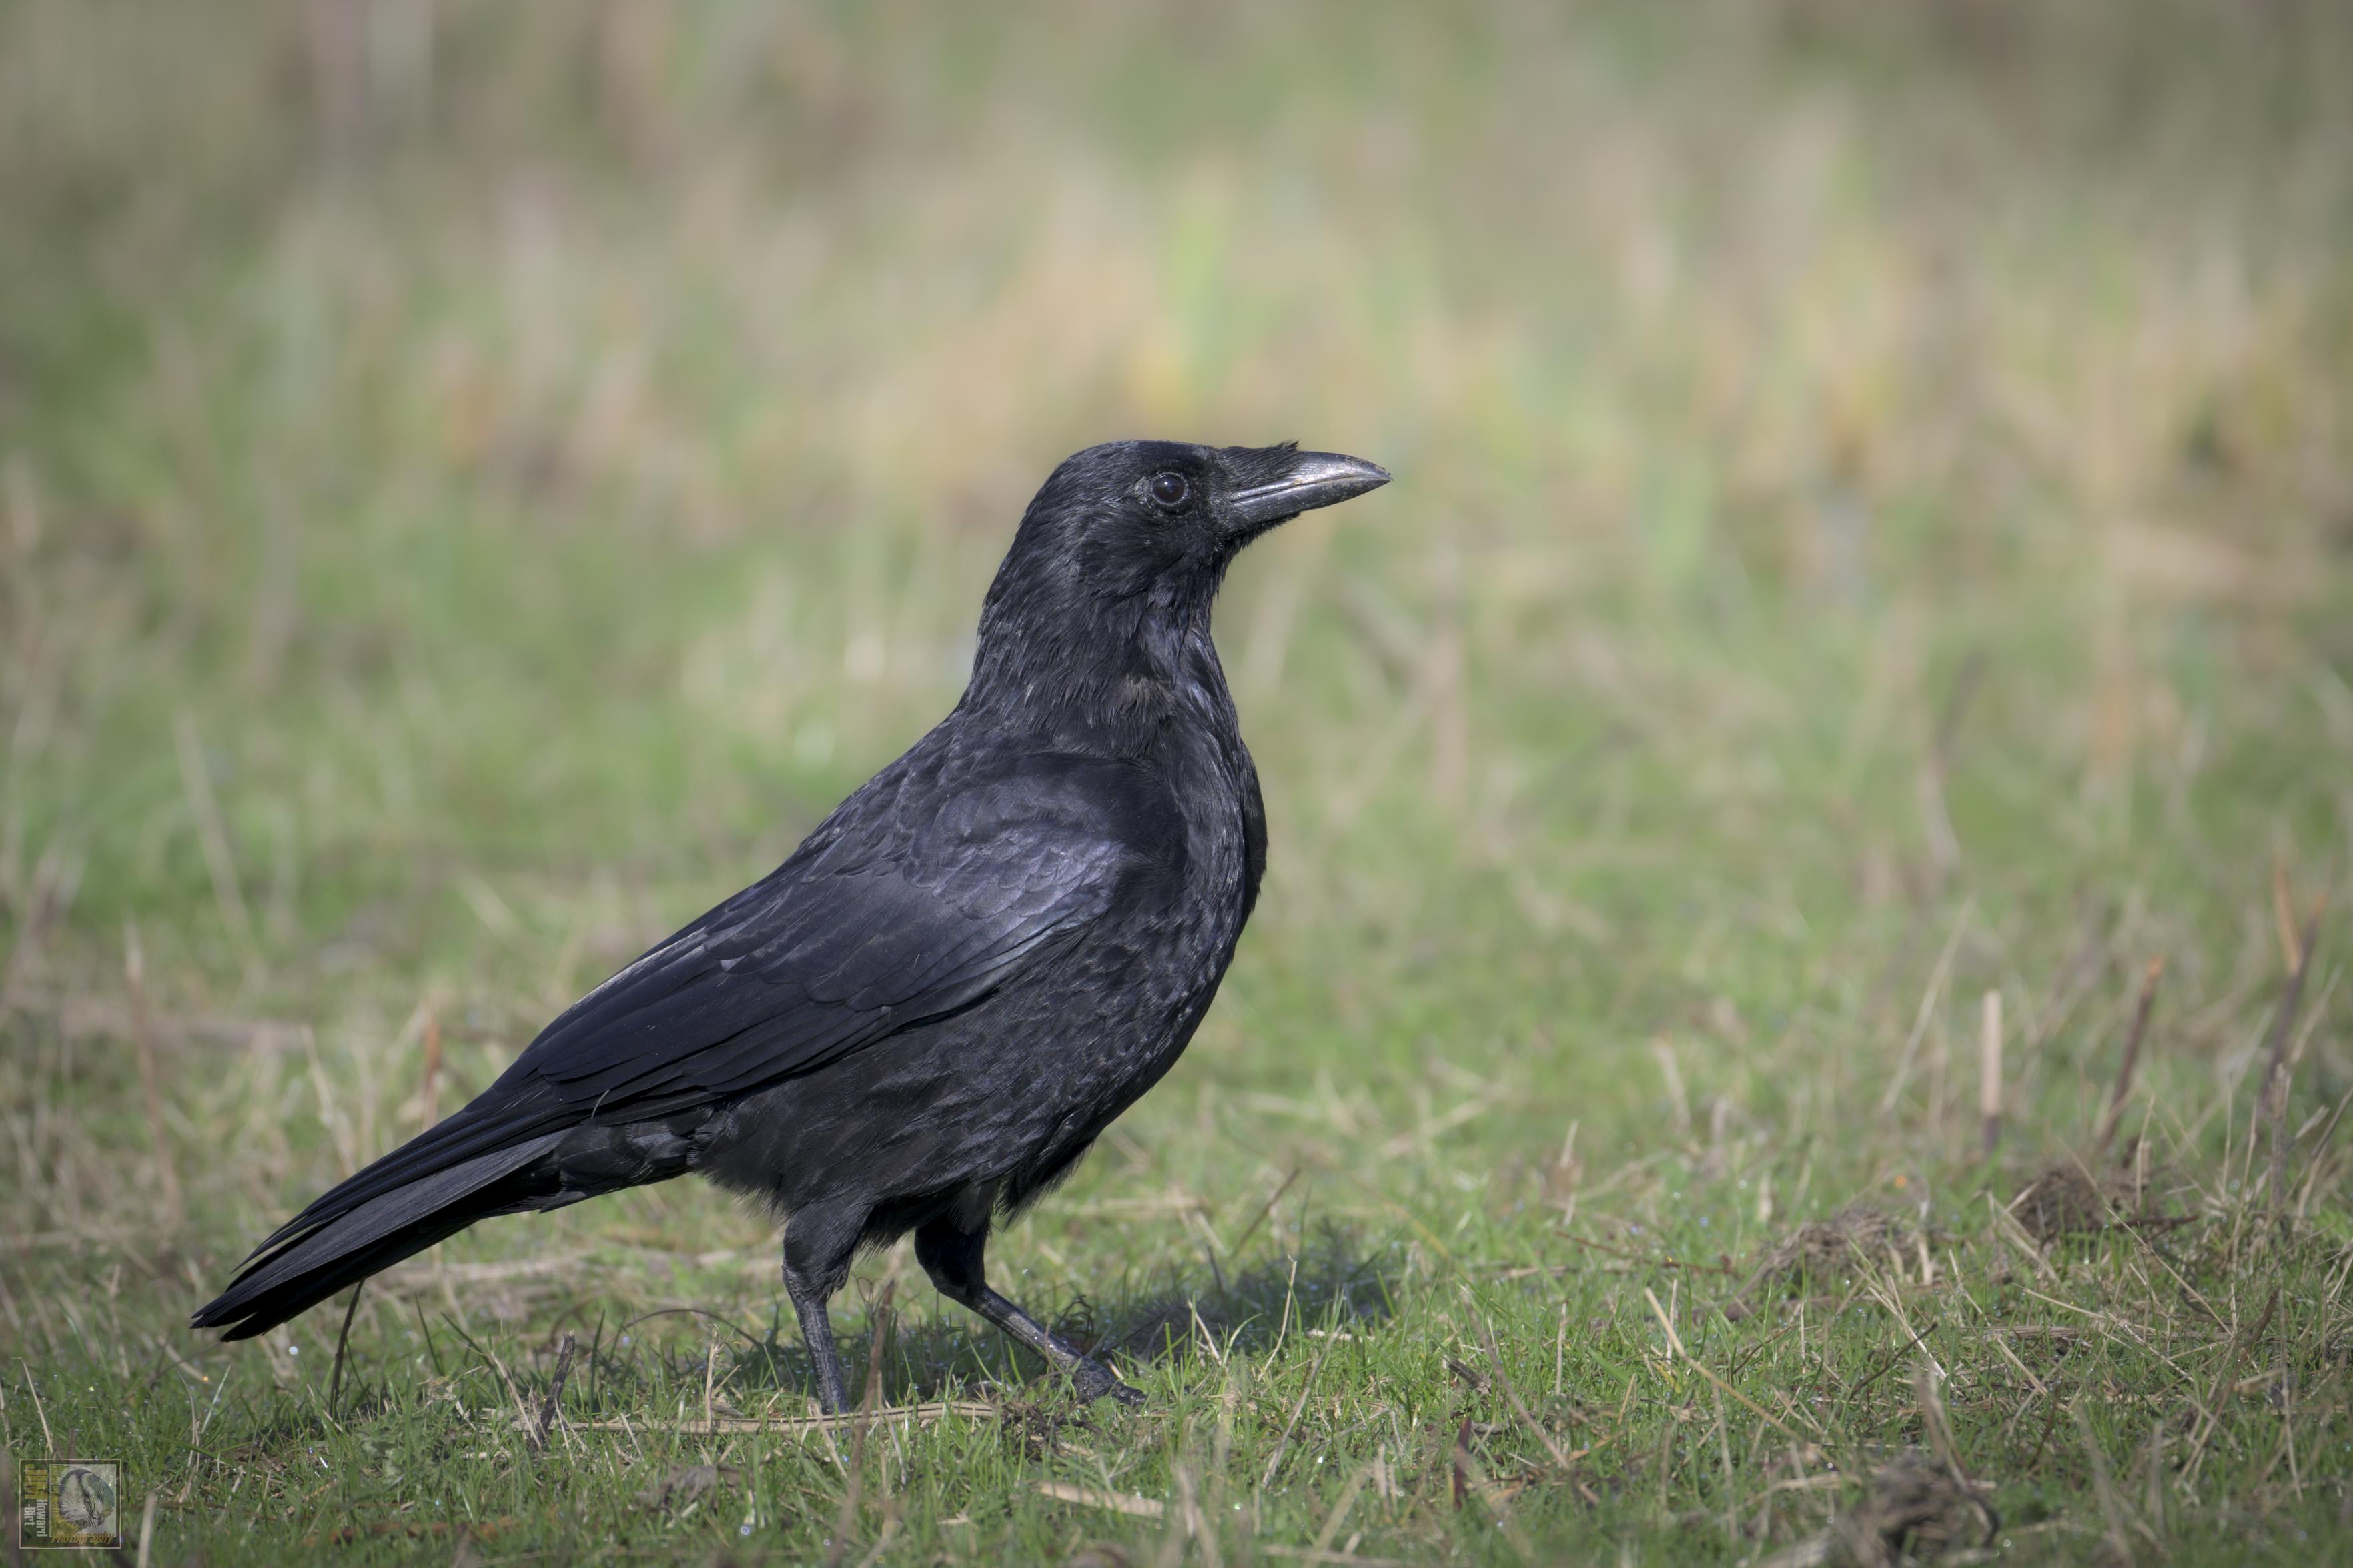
(1870,570)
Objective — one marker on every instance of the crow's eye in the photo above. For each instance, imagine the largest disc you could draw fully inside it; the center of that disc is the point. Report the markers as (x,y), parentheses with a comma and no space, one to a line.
(1168,488)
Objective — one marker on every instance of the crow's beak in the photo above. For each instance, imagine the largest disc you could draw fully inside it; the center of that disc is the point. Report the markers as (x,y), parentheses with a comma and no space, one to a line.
(1313,479)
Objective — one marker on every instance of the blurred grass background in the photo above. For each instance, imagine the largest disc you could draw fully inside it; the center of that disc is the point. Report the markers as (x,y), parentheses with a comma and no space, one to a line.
(1875,513)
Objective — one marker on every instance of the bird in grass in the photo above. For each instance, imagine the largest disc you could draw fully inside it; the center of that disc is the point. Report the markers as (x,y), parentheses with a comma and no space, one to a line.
(922,1019)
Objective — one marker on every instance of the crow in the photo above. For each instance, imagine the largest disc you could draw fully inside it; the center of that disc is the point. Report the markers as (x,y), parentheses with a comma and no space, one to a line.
(922,1019)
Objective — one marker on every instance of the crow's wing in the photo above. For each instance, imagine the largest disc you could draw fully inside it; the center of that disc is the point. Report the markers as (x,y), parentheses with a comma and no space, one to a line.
(908,911)
(921,895)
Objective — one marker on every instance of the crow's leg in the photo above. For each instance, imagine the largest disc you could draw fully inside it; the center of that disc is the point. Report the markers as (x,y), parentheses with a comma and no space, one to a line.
(817,1328)
(952,1256)
(818,1245)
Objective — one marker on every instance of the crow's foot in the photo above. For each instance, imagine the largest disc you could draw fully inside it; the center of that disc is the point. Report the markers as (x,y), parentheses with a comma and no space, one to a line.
(1095,1380)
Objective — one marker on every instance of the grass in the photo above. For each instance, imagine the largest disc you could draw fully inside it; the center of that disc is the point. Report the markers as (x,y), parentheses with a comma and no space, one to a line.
(1871,534)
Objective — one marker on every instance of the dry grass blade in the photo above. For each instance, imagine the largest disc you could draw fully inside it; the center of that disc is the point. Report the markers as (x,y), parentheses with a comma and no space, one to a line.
(1469,1478)
(1656,1259)
(1283,1444)
(1338,1513)
(553,1405)
(2103,1486)
(1264,1209)
(1927,1008)
(143,1039)
(212,833)
(1885,1366)
(1324,1554)
(1934,1421)
(429,1092)
(2275,1069)
(2283,914)
(1989,1073)
(1512,1396)
(794,1426)
(1675,1341)
(2131,1057)
(2217,1396)
(343,1343)
(1117,1502)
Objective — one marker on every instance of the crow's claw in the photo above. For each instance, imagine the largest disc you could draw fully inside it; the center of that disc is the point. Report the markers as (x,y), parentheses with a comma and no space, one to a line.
(1095,1380)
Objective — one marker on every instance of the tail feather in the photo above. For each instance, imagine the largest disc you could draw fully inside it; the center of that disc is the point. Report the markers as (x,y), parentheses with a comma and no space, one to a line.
(487,1126)
(286,1276)
(492,1158)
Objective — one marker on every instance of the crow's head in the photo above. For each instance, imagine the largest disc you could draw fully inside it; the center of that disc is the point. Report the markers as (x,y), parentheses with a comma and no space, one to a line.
(1105,597)
(1161,518)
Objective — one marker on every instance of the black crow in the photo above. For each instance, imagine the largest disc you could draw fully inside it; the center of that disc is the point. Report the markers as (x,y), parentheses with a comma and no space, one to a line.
(924,1017)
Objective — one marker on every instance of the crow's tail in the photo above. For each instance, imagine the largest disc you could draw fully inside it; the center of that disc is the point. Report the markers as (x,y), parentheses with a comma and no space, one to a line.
(494,1157)
(373,1234)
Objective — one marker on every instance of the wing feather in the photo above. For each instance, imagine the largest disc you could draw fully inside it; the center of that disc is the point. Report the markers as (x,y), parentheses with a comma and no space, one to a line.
(878,924)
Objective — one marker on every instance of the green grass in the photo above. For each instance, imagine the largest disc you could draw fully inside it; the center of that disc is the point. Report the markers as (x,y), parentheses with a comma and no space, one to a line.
(1871,531)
